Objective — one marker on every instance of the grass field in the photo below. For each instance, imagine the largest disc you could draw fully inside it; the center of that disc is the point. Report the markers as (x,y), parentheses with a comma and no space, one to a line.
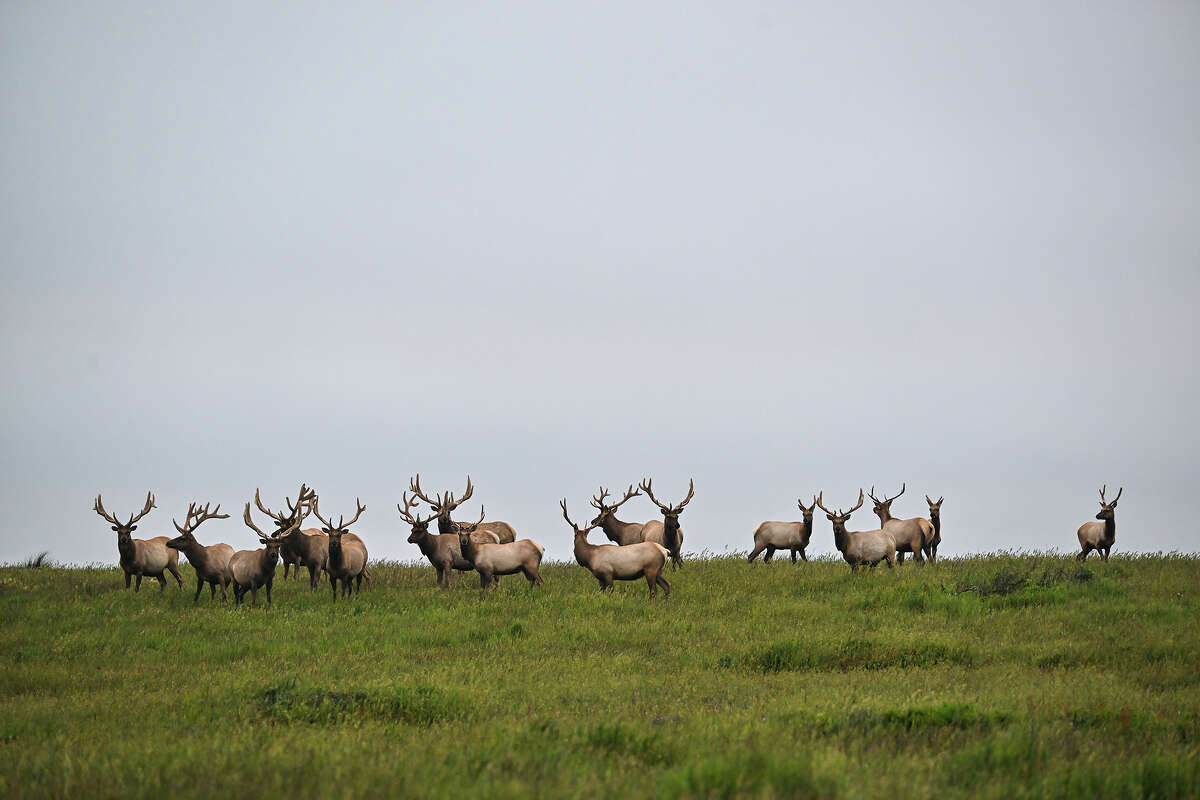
(994,676)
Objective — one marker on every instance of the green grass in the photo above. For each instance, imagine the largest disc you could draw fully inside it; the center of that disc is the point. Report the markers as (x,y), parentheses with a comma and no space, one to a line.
(995,676)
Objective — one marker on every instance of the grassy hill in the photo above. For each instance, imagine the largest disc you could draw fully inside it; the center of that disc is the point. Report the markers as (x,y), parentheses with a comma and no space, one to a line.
(995,676)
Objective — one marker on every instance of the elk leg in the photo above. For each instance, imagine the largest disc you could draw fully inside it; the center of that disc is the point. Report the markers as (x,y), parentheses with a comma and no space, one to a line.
(137,586)
(358,584)
(254,592)
(128,576)
(661,581)
(802,554)
(162,581)
(793,555)
(174,570)
(224,597)
(333,586)
(770,552)
(899,557)
(440,577)
(212,586)
(1083,556)
(754,553)
(199,586)
(651,581)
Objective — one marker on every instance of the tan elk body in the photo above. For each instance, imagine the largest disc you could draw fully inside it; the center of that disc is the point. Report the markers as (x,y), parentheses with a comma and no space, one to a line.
(444,504)
(909,533)
(140,558)
(619,532)
(507,558)
(347,553)
(935,523)
(309,547)
(1100,536)
(793,536)
(252,570)
(667,533)
(441,549)
(211,562)
(611,562)
(859,548)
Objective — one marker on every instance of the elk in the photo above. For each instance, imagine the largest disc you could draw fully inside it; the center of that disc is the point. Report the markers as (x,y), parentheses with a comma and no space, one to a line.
(909,533)
(1099,536)
(347,553)
(211,563)
(308,547)
(445,503)
(935,520)
(492,560)
(141,557)
(859,547)
(617,532)
(442,549)
(293,551)
(252,569)
(667,533)
(627,562)
(794,536)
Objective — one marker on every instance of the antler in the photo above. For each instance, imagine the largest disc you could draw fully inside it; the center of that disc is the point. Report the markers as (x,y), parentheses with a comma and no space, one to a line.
(342,524)
(563,503)
(840,513)
(250,523)
(598,500)
(821,503)
(886,499)
(810,507)
(857,505)
(98,507)
(455,503)
(197,515)
(406,512)
(468,527)
(305,498)
(414,486)
(280,518)
(688,499)
(939,500)
(1114,500)
(645,487)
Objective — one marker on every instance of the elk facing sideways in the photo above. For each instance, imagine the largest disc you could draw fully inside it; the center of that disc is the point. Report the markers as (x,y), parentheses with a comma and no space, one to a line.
(509,558)
(252,569)
(442,549)
(859,547)
(1099,536)
(910,534)
(211,563)
(794,536)
(667,533)
(141,557)
(444,503)
(308,547)
(618,532)
(628,562)
(935,519)
(347,553)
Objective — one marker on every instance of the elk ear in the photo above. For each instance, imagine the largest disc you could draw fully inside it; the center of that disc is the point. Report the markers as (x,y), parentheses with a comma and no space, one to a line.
(133,528)
(829,517)
(114,527)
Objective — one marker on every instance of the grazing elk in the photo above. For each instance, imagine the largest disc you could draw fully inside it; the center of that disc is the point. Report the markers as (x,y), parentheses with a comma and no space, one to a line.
(1099,536)
(859,547)
(253,569)
(347,553)
(909,534)
(617,532)
(493,560)
(667,533)
(211,563)
(794,536)
(935,519)
(308,547)
(610,562)
(445,503)
(442,549)
(141,557)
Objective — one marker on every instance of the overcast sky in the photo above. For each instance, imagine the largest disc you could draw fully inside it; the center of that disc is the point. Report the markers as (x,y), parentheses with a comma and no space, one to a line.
(779,247)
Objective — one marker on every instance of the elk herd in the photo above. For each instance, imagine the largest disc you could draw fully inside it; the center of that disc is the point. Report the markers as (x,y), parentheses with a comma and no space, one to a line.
(638,550)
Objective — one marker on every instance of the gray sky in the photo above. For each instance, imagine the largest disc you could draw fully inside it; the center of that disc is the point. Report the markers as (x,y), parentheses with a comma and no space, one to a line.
(777,247)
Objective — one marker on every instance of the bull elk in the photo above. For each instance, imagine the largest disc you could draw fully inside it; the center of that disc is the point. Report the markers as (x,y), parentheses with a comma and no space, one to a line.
(935,519)
(445,503)
(308,547)
(618,532)
(609,562)
(141,557)
(493,560)
(212,562)
(347,553)
(255,569)
(442,549)
(859,547)
(1099,536)
(794,536)
(667,533)
(910,534)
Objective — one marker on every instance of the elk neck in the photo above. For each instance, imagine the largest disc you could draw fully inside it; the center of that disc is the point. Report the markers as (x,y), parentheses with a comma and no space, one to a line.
(584,550)
(127,550)
(937,524)
(840,538)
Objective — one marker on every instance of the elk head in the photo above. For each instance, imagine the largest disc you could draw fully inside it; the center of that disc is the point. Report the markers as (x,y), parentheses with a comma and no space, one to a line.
(883,508)
(272,542)
(195,516)
(124,529)
(606,510)
(670,513)
(420,526)
(1107,508)
(301,509)
(579,532)
(335,532)
(807,511)
(935,509)
(465,529)
(840,518)
(442,505)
